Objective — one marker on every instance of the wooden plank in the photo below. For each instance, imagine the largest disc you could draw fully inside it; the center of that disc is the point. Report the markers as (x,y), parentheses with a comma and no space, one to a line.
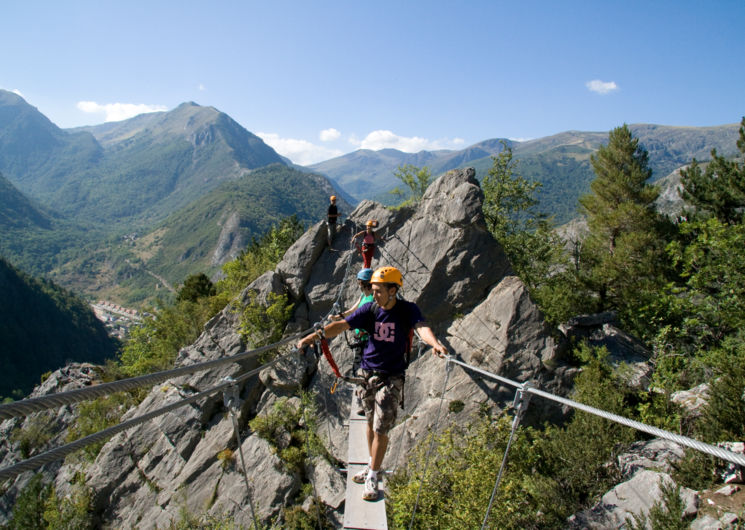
(362,514)
(358,452)
(359,513)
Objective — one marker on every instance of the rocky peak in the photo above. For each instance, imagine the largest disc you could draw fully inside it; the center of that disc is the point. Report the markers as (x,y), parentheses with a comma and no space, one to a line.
(453,269)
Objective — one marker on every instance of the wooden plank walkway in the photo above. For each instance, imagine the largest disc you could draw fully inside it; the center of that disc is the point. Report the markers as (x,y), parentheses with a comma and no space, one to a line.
(359,513)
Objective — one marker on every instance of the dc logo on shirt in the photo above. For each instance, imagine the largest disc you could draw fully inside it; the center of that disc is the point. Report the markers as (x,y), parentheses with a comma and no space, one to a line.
(385,331)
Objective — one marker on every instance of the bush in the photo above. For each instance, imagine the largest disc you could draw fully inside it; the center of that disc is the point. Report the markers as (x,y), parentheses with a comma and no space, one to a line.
(28,511)
(261,325)
(73,512)
(99,414)
(33,434)
(458,482)
(281,427)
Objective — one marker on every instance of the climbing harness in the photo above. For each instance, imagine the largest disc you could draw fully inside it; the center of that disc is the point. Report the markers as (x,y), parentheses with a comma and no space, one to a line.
(232,402)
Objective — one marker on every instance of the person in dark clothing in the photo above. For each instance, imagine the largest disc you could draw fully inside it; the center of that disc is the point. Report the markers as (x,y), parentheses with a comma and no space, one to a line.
(331,217)
(389,322)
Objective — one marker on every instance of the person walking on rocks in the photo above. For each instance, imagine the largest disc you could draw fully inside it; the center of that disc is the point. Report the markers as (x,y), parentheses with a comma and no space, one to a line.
(389,321)
(368,243)
(331,216)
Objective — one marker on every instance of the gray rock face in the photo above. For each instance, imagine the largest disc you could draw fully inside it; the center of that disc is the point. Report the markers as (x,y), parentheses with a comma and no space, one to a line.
(230,242)
(633,497)
(657,454)
(692,400)
(41,431)
(453,269)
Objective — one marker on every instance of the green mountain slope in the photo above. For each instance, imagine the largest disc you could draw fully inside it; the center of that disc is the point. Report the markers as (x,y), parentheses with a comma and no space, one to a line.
(135,171)
(560,162)
(200,237)
(42,327)
(37,156)
(32,237)
(17,211)
(215,229)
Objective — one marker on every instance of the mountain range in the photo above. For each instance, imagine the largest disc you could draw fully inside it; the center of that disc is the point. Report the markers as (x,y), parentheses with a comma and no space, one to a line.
(561,162)
(106,210)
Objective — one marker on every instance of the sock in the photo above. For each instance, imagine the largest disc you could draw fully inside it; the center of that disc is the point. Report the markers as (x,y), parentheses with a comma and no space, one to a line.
(373,474)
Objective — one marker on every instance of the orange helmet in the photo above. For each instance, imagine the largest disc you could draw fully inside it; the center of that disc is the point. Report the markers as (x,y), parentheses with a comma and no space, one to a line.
(333,197)
(387,275)
(370,223)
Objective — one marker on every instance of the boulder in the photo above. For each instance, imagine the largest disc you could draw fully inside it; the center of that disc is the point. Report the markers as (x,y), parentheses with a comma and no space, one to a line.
(692,400)
(657,454)
(632,498)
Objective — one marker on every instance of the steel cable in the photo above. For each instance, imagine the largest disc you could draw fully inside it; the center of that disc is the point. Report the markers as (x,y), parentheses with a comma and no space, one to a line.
(660,433)
(28,406)
(60,452)
(431,442)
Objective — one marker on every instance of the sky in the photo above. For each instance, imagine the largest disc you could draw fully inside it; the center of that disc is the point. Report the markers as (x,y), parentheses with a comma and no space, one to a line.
(319,79)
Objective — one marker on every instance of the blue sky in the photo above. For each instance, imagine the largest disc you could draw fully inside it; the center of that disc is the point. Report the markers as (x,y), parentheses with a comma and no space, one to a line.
(323,78)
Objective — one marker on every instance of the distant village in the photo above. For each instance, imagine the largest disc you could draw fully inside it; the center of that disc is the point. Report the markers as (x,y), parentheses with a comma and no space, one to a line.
(116,318)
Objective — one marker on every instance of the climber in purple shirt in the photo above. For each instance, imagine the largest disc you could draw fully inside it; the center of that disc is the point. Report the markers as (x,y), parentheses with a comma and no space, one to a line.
(389,322)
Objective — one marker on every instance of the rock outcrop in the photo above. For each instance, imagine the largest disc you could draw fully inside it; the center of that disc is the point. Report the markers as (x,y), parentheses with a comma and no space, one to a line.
(453,269)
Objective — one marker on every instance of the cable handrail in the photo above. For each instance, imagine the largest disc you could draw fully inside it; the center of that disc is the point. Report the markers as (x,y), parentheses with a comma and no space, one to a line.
(25,407)
(59,453)
(697,445)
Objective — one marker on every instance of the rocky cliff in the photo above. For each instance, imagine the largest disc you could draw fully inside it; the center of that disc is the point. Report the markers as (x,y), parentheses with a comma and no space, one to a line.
(453,269)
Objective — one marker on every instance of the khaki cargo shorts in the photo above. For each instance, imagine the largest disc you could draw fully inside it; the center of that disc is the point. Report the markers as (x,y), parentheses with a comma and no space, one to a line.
(380,399)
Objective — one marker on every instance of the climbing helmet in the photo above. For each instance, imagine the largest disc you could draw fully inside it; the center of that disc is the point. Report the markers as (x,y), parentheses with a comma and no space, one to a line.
(388,275)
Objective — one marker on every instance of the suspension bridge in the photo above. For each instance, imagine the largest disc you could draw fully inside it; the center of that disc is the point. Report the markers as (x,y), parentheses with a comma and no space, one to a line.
(358,513)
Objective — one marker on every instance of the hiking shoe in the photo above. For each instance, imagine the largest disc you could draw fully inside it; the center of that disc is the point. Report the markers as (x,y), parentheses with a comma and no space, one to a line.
(370,492)
(360,477)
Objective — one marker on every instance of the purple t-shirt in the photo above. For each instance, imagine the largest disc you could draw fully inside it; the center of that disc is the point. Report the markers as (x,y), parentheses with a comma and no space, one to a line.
(389,335)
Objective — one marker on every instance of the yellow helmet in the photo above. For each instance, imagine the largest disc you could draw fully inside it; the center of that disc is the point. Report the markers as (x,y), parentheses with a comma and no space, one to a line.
(333,197)
(370,223)
(387,275)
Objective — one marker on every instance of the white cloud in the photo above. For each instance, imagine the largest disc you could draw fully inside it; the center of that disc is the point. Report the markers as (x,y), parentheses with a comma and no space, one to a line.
(601,87)
(300,152)
(384,139)
(329,135)
(118,111)
(201,87)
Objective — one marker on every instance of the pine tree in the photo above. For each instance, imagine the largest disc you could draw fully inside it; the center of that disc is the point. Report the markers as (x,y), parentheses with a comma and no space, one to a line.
(620,262)
(528,237)
(720,189)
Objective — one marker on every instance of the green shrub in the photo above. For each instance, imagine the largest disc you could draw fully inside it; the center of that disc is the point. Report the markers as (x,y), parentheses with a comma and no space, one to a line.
(33,434)
(261,325)
(281,427)
(73,512)
(99,414)
(28,511)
